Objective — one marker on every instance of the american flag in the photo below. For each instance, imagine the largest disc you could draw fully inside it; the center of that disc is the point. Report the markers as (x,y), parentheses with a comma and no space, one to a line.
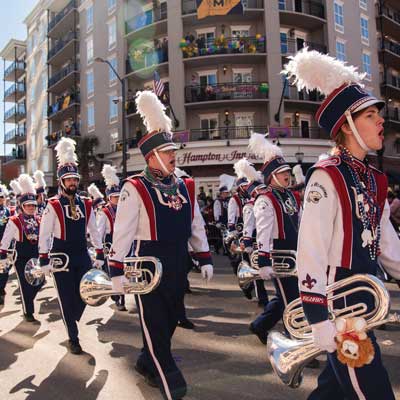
(158,85)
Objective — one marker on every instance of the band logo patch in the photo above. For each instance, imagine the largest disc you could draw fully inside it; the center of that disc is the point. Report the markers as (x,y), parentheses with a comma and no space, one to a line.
(309,282)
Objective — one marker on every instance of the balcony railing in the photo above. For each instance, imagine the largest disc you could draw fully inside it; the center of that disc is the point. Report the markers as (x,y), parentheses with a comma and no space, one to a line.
(304,6)
(63,73)
(291,46)
(18,133)
(307,132)
(389,12)
(146,18)
(226,91)
(61,43)
(146,58)
(18,110)
(16,65)
(189,6)
(291,93)
(393,113)
(59,16)
(18,153)
(18,87)
(223,45)
(391,46)
(230,132)
(54,137)
(389,79)
(63,103)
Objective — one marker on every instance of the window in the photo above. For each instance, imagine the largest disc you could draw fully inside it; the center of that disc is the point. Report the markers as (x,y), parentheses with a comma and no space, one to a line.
(113,107)
(207,78)
(89,18)
(112,33)
(363,4)
(242,75)
(112,4)
(90,83)
(284,43)
(364,30)
(112,78)
(339,20)
(90,116)
(209,126)
(240,31)
(366,62)
(89,50)
(340,51)
(282,4)
(207,34)
(244,122)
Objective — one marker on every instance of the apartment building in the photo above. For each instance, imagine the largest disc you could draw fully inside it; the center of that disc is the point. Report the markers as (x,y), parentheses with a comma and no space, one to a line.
(14,90)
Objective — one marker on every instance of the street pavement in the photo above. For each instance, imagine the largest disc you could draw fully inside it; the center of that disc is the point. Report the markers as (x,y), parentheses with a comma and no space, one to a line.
(220,359)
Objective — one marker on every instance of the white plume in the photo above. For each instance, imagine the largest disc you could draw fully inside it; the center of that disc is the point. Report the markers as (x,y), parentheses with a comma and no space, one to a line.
(152,111)
(39,179)
(95,192)
(313,70)
(110,176)
(245,169)
(323,156)
(15,186)
(4,190)
(180,173)
(66,151)
(226,180)
(262,147)
(298,174)
(26,183)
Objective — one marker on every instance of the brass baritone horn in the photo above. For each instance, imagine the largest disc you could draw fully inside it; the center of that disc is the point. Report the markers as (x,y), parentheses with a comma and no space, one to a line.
(33,273)
(9,261)
(288,357)
(96,287)
(282,269)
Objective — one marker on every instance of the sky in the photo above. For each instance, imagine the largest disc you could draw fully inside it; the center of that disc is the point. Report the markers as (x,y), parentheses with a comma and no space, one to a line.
(12,15)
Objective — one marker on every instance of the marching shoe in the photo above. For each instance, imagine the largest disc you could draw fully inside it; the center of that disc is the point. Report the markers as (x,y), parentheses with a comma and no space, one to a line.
(2,299)
(262,338)
(29,318)
(248,293)
(74,347)
(148,376)
(186,324)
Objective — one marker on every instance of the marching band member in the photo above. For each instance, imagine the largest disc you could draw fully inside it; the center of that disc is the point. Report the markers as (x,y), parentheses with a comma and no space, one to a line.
(106,217)
(97,198)
(299,180)
(254,182)
(221,202)
(276,211)
(345,227)
(40,186)
(14,208)
(4,216)
(24,229)
(158,214)
(65,221)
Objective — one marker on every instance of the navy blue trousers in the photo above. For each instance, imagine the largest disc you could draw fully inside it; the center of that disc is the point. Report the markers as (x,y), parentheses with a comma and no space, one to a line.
(69,298)
(370,382)
(159,313)
(273,310)
(3,283)
(27,291)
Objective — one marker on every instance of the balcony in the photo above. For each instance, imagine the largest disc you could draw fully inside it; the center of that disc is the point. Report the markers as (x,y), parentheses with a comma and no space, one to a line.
(307,132)
(15,136)
(63,21)
(292,46)
(305,14)
(63,49)
(303,100)
(64,79)
(15,92)
(189,6)
(392,118)
(230,132)
(388,20)
(389,53)
(390,86)
(65,107)
(15,114)
(145,58)
(18,155)
(231,49)
(54,137)
(14,71)
(226,92)
(148,18)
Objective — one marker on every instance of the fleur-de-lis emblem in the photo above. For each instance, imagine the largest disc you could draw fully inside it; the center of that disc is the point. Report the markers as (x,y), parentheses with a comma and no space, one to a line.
(309,282)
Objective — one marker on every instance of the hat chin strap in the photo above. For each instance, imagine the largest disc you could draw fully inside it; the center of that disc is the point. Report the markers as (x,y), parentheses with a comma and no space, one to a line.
(355,131)
(277,182)
(163,167)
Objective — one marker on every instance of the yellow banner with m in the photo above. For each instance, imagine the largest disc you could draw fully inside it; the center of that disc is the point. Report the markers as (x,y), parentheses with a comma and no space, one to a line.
(209,8)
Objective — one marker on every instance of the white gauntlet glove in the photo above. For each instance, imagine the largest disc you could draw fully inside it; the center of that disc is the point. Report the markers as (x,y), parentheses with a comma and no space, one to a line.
(118,283)
(207,272)
(266,273)
(46,269)
(324,335)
